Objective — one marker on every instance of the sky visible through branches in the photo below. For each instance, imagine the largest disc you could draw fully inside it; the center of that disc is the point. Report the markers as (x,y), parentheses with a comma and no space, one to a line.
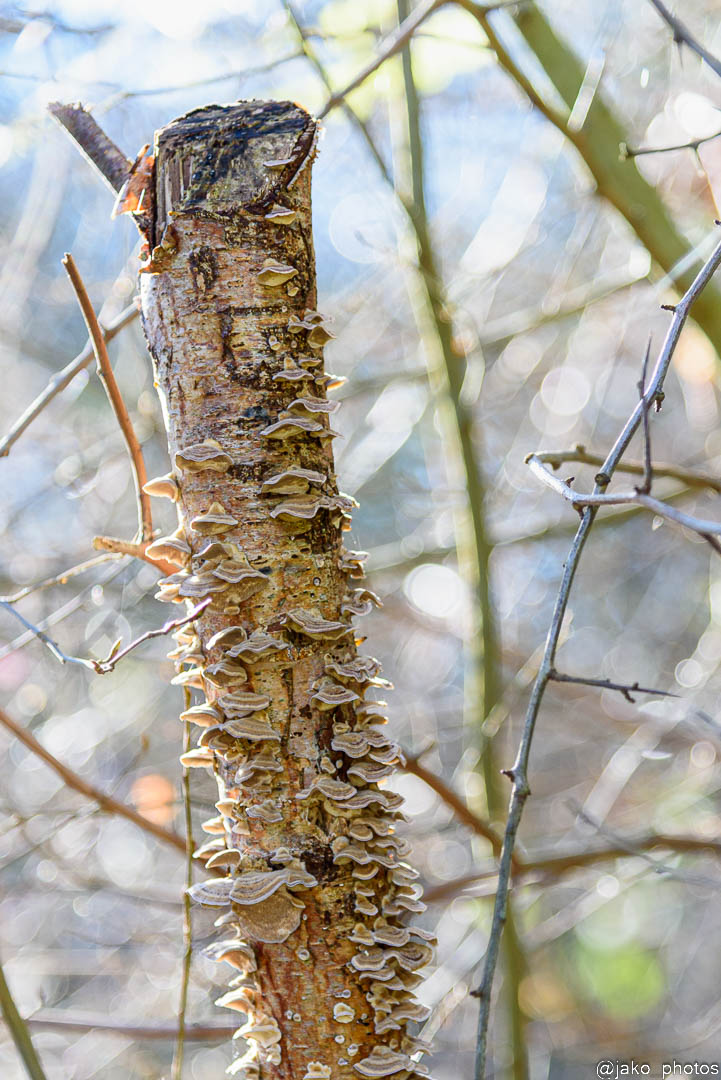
(521,329)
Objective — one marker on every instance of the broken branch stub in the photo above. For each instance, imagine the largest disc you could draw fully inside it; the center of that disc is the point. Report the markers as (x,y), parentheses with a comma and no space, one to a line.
(316,897)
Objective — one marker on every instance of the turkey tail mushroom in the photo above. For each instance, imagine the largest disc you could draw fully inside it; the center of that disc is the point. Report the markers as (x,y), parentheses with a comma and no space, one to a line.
(314,894)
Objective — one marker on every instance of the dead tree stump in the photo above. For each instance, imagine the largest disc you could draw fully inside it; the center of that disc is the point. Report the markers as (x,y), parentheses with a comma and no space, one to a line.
(313,893)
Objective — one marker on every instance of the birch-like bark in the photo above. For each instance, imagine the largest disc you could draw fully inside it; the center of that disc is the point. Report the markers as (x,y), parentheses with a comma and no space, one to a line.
(314,894)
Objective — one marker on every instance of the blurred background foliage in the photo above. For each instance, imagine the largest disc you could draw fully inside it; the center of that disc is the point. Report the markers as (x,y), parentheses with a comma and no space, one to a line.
(532,301)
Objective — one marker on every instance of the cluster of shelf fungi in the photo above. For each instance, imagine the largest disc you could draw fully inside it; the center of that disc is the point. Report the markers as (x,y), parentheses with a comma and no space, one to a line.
(301,809)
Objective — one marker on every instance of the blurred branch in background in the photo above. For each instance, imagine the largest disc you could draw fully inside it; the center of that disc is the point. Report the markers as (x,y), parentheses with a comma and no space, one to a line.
(105,802)
(683,36)
(18,1030)
(62,380)
(518,774)
(598,141)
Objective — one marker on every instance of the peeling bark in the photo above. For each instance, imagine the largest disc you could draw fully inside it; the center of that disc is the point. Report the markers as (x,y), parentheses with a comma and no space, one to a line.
(315,891)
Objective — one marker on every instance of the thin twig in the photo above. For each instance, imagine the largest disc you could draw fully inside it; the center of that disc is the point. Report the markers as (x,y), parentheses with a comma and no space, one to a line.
(63,379)
(59,579)
(104,666)
(45,639)
(310,53)
(683,36)
(138,551)
(62,613)
(645,487)
(106,802)
(388,47)
(692,144)
(177,1068)
(630,847)
(519,772)
(461,812)
(227,76)
(105,372)
(19,1032)
(56,1020)
(100,151)
(598,498)
(580,454)
(627,689)
(552,867)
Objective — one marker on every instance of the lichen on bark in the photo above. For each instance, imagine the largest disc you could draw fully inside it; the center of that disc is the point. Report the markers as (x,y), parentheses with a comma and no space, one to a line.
(312,887)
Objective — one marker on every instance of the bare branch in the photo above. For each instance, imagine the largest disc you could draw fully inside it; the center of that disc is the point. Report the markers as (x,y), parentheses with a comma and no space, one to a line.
(130,547)
(104,666)
(556,866)
(211,80)
(519,771)
(388,47)
(645,487)
(693,144)
(46,640)
(105,372)
(683,36)
(452,800)
(59,579)
(56,1020)
(19,1032)
(63,378)
(182,1034)
(106,802)
(598,498)
(605,684)
(100,151)
(580,454)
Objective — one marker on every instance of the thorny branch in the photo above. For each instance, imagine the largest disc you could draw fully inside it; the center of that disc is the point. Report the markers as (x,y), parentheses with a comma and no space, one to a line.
(105,802)
(598,498)
(683,36)
(105,372)
(579,453)
(627,689)
(519,771)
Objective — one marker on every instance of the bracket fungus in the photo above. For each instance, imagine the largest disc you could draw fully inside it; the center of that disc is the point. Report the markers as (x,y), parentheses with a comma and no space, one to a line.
(292,481)
(302,834)
(291,427)
(214,521)
(208,454)
(275,273)
(281,215)
(163,487)
(314,323)
(312,625)
(175,548)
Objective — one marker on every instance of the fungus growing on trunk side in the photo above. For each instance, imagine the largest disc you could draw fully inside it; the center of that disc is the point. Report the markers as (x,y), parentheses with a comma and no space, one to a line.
(315,891)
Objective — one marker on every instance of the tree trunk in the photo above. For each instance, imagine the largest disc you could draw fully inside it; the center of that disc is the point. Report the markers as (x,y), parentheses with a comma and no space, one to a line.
(315,893)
